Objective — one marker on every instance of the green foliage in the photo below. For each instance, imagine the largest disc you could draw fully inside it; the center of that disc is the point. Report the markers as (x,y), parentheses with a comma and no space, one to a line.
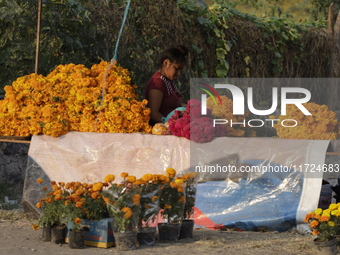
(172,201)
(85,32)
(320,8)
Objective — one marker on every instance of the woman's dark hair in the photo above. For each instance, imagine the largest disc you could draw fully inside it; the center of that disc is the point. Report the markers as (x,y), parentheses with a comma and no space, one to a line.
(174,54)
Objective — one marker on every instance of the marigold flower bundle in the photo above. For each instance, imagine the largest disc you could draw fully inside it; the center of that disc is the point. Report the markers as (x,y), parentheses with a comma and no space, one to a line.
(52,204)
(132,203)
(191,125)
(321,125)
(123,202)
(69,202)
(151,190)
(73,98)
(190,180)
(172,198)
(325,224)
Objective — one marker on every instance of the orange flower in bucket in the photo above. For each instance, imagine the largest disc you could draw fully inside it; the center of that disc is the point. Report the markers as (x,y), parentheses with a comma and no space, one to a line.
(171,197)
(123,202)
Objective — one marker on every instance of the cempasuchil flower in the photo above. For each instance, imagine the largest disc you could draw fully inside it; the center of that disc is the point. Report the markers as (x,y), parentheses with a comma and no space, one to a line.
(70,98)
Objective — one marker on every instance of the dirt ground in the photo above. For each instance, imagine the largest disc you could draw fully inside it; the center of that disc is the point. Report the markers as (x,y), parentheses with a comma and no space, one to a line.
(18,237)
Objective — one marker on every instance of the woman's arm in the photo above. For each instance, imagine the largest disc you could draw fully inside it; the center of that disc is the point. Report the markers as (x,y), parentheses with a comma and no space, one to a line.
(155,101)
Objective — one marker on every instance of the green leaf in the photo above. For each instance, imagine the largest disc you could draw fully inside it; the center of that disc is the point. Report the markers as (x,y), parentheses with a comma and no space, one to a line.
(200,65)
(278,55)
(203,21)
(204,74)
(196,49)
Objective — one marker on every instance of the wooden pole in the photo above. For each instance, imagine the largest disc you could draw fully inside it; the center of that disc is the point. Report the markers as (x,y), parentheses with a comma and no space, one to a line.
(37,49)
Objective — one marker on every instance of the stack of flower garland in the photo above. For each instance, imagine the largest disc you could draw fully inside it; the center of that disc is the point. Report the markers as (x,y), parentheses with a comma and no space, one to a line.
(73,98)
(321,125)
(225,111)
(191,125)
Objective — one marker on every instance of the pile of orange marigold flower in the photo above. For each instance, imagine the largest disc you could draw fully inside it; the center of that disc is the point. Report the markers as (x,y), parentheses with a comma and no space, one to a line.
(74,98)
(321,125)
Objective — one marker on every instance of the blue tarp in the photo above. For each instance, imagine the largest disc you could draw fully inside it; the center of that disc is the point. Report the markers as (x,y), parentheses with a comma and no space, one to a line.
(270,200)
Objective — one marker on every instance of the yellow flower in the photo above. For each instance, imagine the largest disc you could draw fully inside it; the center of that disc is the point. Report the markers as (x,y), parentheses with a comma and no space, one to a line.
(69,99)
(131,178)
(170,172)
(109,178)
(154,198)
(318,211)
(139,182)
(57,192)
(331,223)
(136,199)
(98,186)
(167,207)
(333,207)
(38,205)
(39,180)
(321,125)
(127,212)
(326,212)
(147,177)
(55,187)
(124,174)
(179,181)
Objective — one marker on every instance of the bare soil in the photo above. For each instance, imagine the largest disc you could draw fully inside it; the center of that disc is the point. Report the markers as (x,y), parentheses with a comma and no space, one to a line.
(18,237)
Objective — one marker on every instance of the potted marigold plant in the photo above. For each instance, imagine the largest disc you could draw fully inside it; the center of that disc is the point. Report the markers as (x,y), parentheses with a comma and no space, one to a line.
(187,226)
(123,204)
(324,225)
(52,216)
(171,204)
(151,187)
(79,205)
(83,202)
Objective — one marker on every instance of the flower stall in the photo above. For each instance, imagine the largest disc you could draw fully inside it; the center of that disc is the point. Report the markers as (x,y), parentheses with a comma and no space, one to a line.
(86,124)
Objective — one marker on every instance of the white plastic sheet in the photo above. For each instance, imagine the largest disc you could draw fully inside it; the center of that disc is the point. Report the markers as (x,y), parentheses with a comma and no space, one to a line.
(239,199)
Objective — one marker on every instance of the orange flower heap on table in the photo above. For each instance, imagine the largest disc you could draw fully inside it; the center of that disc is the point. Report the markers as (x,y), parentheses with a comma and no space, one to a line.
(321,125)
(74,98)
